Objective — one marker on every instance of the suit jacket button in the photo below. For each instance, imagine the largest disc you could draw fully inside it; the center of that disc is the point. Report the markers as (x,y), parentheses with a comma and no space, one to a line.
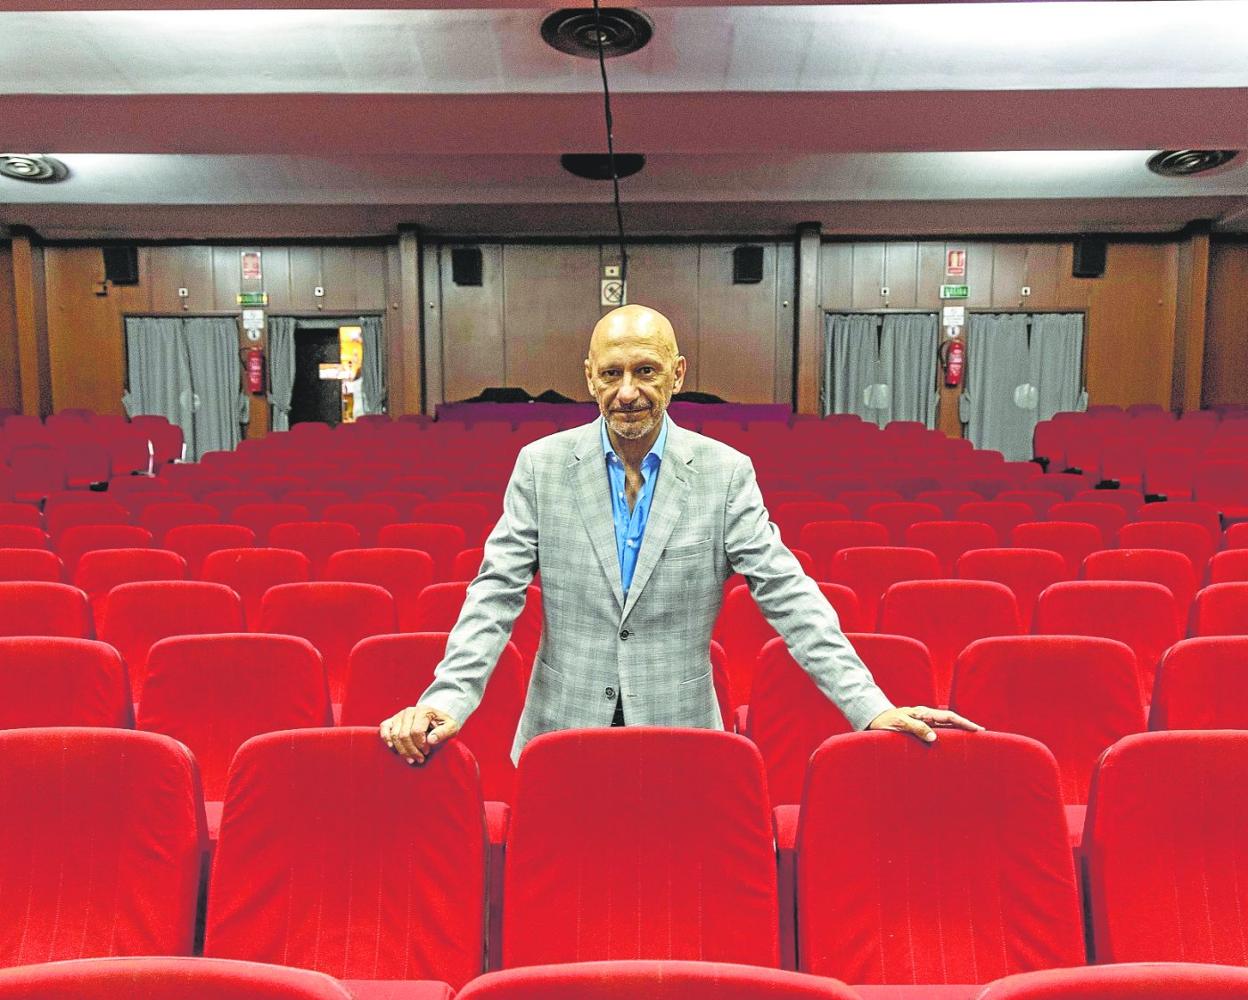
(625,633)
(610,692)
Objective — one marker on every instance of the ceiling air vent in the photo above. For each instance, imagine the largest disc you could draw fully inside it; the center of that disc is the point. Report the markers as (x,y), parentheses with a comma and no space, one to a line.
(32,167)
(1186,162)
(575,31)
(597,166)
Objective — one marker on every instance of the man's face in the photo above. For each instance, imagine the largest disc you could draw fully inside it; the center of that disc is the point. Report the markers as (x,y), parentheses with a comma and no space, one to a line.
(633,374)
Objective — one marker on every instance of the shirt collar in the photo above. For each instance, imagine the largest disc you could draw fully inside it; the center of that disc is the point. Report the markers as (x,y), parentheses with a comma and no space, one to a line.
(655,452)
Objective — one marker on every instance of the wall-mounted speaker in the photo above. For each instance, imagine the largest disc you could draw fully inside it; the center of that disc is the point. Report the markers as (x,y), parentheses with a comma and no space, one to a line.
(121,265)
(1089,258)
(466,265)
(747,265)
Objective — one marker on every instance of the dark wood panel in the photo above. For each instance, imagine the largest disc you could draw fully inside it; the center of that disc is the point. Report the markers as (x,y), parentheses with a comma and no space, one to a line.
(305,276)
(164,278)
(1226,338)
(197,278)
(275,266)
(665,277)
(10,387)
(473,328)
(551,300)
(1040,271)
(398,400)
(736,347)
(979,267)
(868,275)
(370,279)
(836,276)
(227,277)
(786,319)
(86,343)
(1008,266)
(338,278)
(931,275)
(901,277)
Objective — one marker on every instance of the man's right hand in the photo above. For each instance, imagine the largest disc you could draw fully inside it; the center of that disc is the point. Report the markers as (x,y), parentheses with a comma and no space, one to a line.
(415,731)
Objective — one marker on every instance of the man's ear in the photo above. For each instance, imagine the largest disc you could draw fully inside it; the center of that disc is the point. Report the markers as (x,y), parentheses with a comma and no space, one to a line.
(589,379)
(679,381)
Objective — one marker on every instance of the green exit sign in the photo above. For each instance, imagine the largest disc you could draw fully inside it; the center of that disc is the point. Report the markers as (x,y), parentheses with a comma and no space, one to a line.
(253,298)
(955,291)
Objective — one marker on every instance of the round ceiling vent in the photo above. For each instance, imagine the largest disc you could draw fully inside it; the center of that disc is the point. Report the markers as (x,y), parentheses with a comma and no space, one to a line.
(575,31)
(1186,162)
(597,166)
(32,167)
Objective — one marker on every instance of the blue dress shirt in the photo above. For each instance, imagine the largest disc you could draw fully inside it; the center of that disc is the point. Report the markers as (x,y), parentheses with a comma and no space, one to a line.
(630,526)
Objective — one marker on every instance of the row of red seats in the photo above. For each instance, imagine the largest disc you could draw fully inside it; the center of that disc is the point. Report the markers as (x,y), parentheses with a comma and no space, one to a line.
(908,866)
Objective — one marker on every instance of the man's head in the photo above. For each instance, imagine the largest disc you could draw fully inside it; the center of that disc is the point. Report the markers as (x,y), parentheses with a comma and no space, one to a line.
(633,369)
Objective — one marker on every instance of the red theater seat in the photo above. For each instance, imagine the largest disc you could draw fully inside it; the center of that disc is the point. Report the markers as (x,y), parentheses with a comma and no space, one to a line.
(403,572)
(898,515)
(172,979)
(791,518)
(250,572)
(1165,849)
(1134,981)
(438,606)
(159,518)
(31,565)
(335,855)
(859,500)
(442,541)
(653,981)
(949,539)
(948,500)
(100,571)
(193,542)
(1073,540)
(1230,566)
(640,842)
(332,616)
(1075,694)
(467,565)
(214,692)
(824,539)
(89,537)
(1003,516)
(22,536)
(947,616)
(20,514)
(1181,536)
(261,517)
(742,631)
(1039,500)
(986,890)
(318,540)
(367,518)
(55,681)
(140,614)
(70,515)
(1025,571)
(870,570)
(474,519)
(1202,683)
(101,844)
(55,609)
(1173,570)
(1221,609)
(1140,614)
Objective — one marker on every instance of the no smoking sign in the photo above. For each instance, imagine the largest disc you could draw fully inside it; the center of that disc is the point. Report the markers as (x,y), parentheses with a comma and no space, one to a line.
(613,292)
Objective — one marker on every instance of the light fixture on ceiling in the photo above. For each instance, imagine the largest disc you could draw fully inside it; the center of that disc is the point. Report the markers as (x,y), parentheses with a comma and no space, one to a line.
(577,32)
(1186,162)
(597,166)
(33,167)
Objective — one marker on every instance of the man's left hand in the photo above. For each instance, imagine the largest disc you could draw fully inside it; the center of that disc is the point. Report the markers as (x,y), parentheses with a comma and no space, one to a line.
(922,722)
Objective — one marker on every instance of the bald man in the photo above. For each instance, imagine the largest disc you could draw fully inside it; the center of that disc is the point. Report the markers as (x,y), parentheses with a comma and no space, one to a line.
(635,524)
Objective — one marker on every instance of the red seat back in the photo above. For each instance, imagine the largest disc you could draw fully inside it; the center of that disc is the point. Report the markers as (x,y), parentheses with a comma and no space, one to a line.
(43,609)
(193,542)
(89,537)
(250,572)
(261,517)
(898,515)
(100,571)
(1182,536)
(31,565)
(318,540)
(441,541)
(1173,570)
(1221,609)
(437,608)
(1004,516)
(949,539)
(1073,540)
(1139,981)
(792,517)
(57,681)
(367,518)
(1200,685)
(403,572)
(870,570)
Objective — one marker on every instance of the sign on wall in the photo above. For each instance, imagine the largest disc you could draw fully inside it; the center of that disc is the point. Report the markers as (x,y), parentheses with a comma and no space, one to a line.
(955,263)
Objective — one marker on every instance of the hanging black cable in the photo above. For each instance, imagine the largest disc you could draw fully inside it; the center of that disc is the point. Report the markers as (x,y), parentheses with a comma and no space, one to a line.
(615,177)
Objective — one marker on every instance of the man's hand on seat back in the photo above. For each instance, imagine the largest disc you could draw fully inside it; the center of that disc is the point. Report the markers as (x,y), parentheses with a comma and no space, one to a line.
(922,722)
(415,731)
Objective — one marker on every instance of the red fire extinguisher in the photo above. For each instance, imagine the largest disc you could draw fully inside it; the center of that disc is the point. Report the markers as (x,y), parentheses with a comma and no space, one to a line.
(254,364)
(953,357)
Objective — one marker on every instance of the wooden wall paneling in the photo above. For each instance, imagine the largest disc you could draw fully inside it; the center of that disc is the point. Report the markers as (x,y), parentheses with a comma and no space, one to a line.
(930,269)
(664,276)
(901,274)
(396,395)
(737,343)
(980,261)
(338,278)
(808,335)
(551,298)
(197,278)
(868,275)
(370,279)
(1191,308)
(1226,339)
(1009,263)
(10,385)
(1040,264)
(32,346)
(1129,339)
(474,328)
(305,276)
(785,322)
(164,278)
(86,335)
(275,266)
(836,276)
(227,277)
(418,394)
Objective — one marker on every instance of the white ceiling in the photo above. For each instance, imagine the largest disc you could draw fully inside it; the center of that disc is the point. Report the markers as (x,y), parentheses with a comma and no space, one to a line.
(868,118)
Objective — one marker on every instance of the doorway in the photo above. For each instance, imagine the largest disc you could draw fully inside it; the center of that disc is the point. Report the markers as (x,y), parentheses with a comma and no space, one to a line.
(314,398)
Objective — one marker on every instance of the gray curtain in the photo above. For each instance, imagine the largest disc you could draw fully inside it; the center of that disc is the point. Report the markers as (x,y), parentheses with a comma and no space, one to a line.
(1057,363)
(374,374)
(216,376)
(996,404)
(281,369)
(854,379)
(908,354)
(159,371)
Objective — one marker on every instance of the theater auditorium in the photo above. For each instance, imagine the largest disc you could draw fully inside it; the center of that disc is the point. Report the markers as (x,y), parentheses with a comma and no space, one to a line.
(300,417)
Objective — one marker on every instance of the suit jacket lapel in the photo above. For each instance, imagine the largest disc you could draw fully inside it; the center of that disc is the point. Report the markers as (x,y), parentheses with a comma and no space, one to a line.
(670,494)
(592,489)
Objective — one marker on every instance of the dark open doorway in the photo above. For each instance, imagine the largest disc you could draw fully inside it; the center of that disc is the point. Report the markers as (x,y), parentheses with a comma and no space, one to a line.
(315,398)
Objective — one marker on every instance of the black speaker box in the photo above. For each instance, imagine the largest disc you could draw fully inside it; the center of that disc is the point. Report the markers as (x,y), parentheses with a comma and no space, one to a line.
(1089,260)
(747,265)
(466,265)
(121,265)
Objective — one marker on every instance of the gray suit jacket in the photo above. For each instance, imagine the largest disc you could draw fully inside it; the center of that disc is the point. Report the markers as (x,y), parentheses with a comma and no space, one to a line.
(706,521)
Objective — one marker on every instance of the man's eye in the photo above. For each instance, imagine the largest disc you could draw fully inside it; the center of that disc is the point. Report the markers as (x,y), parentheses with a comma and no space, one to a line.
(646,370)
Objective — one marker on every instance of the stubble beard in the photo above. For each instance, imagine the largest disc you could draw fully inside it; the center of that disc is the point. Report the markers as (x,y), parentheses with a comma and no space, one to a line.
(635,430)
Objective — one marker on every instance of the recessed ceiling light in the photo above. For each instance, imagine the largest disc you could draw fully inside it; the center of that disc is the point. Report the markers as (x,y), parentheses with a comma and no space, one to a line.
(1186,162)
(34,167)
(597,166)
(575,31)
